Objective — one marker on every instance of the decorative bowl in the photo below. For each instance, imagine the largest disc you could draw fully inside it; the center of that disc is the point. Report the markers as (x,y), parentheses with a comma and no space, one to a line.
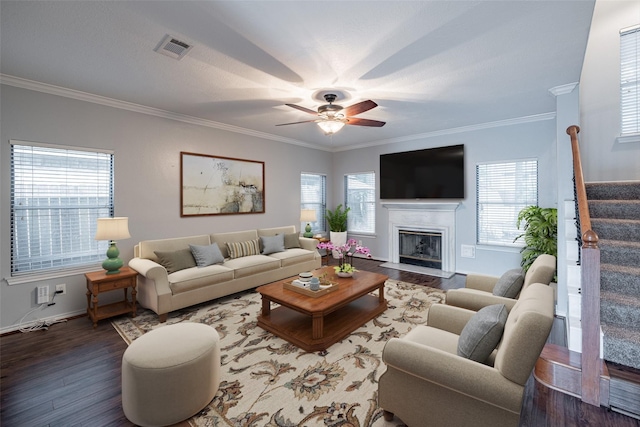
(305,276)
(344,274)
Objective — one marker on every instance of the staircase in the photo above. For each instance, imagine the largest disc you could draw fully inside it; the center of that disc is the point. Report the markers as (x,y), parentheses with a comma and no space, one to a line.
(615,216)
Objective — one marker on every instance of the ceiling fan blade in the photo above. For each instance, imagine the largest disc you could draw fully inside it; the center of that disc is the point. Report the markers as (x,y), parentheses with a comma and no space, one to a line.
(365,122)
(360,107)
(306,110)
(295,123)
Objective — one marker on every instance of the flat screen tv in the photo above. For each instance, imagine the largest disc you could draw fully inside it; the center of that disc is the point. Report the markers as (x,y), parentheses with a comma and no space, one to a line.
(434,173)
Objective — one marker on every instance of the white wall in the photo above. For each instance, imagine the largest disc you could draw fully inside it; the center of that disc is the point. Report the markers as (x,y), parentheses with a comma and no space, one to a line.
(603,159)
(508,142)
(147,181)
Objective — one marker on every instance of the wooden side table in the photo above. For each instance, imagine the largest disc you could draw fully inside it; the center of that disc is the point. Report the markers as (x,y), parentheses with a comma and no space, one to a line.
(99,281)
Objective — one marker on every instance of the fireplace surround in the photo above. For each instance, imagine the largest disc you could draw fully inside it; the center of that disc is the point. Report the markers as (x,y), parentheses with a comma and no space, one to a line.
(428,218)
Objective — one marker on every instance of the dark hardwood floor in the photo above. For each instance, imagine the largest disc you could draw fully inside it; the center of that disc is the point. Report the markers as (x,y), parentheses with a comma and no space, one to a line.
(69,375)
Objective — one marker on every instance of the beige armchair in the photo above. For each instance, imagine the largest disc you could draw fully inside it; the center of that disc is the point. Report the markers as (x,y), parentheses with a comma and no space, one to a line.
(478,290)
(427,383)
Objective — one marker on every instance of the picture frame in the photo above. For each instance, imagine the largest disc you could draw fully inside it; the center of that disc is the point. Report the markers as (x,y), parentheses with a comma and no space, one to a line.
(216,185)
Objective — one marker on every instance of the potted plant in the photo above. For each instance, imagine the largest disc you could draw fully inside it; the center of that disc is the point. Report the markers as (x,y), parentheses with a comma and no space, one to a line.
(540,233)
(337,220)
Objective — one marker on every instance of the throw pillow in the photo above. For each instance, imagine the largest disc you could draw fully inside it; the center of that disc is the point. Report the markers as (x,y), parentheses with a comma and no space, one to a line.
(482,333)
(509,284)
(175,260)
(272,244)
(292,240)
(207,255)
(240,249)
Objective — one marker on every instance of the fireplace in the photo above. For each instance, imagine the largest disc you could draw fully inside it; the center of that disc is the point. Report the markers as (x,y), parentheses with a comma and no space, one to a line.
(433,226)
(420,248)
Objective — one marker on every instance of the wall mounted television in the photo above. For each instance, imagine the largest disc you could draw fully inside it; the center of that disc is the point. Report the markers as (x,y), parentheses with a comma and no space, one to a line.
(433,173)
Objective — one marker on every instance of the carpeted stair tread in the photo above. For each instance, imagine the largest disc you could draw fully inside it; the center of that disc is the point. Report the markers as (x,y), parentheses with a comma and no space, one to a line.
(629,190)
(621,345)
(615,209)
(619,252)
(621,279)
(617,229)
(618,309)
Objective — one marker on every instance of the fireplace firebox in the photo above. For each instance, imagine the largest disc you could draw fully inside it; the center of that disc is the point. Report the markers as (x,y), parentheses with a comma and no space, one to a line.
(420,248)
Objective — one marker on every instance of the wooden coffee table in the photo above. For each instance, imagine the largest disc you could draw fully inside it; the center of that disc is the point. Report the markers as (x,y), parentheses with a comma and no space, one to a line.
(315,324)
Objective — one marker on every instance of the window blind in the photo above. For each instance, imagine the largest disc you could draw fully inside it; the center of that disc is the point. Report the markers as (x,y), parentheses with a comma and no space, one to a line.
(360,194)
(502,190)
(313,195)
(57,194)
(630,80)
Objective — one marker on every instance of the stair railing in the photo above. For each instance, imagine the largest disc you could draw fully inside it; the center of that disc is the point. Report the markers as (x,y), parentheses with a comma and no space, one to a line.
(592,366)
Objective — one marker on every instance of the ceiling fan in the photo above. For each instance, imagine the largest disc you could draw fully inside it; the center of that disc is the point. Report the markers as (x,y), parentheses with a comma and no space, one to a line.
(331,117)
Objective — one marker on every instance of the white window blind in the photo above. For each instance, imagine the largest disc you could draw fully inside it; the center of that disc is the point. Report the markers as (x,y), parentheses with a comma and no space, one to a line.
(630,80)
(502,190)
(313,195)
(57,194)
(360,194)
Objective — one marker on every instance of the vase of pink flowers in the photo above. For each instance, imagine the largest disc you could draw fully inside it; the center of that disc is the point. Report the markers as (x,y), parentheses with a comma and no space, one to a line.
(345,253)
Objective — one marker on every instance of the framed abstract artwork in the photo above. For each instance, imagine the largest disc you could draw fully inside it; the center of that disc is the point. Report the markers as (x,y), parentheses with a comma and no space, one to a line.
(214,185)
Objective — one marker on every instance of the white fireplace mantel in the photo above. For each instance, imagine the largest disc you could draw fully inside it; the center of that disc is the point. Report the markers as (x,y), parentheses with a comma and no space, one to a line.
(437,217)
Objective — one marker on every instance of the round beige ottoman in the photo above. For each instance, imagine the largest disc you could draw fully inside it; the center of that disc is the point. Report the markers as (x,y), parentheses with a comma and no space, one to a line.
(170,374)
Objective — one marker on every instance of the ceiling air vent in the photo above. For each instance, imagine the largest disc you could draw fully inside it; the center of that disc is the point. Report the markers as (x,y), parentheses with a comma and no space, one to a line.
(173,48)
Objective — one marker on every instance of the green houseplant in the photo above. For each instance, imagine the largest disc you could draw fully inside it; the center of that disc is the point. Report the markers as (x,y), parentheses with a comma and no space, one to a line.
(337,219)
(540,233)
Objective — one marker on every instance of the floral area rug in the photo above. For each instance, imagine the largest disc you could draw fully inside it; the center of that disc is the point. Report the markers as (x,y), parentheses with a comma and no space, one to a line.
(266,381)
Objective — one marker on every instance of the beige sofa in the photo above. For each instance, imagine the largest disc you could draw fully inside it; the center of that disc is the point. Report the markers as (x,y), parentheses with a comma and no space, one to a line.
(164,292)
(428,383)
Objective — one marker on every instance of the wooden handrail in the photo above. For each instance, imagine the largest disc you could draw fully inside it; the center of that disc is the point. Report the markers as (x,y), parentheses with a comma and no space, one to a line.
(581,192)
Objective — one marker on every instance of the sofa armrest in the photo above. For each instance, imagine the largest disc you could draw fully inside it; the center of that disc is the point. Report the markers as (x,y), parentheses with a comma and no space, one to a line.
(309,243)
(448,318)
(154,272)
(456,373)
(472,299)
(481,282)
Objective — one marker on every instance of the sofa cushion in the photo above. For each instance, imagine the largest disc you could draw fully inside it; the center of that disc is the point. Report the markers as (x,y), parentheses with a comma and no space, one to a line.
(198,277)
(207,255)
(291,240)
(509,284)
(175,260)
(482,333)
(252,264)
(293,256)
(272,244)
(242,249)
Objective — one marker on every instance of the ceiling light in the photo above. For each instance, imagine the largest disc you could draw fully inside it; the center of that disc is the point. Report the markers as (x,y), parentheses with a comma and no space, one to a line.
(329,127)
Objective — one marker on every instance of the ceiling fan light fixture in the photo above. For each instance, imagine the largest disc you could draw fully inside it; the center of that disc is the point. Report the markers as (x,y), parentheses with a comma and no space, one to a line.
(329,127)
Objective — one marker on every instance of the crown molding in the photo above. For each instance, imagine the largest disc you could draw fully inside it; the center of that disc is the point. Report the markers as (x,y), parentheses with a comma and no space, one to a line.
(124,105)
(452,131)
(563,89)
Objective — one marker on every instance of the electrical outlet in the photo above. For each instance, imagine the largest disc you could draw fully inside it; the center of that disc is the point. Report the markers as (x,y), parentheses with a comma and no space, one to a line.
(62,287)
(467,251)
(42,294)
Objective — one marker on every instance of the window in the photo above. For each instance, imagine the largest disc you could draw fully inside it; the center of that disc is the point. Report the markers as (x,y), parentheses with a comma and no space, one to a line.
(630,80)
(57,194)
(360,195)
(502,190)
(313,195)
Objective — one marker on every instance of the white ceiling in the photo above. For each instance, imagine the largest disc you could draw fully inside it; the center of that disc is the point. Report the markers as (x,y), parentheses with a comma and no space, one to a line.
(430,65)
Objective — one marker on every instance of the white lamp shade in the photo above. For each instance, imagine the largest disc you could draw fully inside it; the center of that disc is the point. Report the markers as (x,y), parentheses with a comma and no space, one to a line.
(329,127)
(307,215)
(112,228)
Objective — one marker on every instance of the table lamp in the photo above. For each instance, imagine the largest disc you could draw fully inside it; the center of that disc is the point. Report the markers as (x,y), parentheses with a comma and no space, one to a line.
(112,229)
(308,215)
